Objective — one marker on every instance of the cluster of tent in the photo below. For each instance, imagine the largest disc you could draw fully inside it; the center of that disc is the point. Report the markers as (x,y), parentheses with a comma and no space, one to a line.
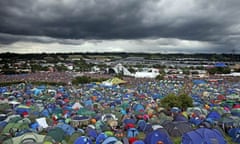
(115,114)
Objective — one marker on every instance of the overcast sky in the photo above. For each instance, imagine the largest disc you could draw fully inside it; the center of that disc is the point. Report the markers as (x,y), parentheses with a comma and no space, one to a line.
(152,26)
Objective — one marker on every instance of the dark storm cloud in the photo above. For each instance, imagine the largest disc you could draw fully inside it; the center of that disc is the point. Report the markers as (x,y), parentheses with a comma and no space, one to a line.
(70,19)
(214,21)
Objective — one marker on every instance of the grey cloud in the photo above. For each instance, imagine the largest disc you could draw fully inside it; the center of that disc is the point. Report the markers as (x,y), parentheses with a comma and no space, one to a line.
(9,38)
(213,21)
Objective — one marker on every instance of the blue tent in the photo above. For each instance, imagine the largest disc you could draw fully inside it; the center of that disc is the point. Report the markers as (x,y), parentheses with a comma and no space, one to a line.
(195,121)
(46,112)
(138,107)
(203,135)
(179,117)
(156,136)
(132,132)
(138,142)
(214,115)
(91,133)
(127,96)
(21,108)
(83,140)
(37,92)
(3,89)
(110,140)
(68,130)
(100,138)
(141,124)
(88,103)
(197,82)
(234,133)
(2,125)
(157,96)
(34,126)
(129,121)
(220,64)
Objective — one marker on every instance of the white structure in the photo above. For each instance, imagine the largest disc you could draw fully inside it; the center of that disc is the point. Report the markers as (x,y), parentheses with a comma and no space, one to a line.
(233,74)
(69,67)
(120,69)
(95,69)
(147,73)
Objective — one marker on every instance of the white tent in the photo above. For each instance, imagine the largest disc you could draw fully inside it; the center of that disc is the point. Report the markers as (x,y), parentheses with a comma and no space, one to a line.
(77,105)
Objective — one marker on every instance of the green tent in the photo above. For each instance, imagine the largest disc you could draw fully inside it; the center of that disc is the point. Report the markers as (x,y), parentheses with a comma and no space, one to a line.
(85,112)
(125,105)
(109,133)
(57,134)
(14,127)
(4,106)
(163,118)
(7,94)
(154,120)
(13,118)
(74,136)
(233,96)
(198,110)
(228,102)
(23,106)
(27,138)
(25,120)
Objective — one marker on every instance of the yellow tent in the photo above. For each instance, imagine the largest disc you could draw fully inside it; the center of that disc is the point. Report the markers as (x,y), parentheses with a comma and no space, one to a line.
(114,81)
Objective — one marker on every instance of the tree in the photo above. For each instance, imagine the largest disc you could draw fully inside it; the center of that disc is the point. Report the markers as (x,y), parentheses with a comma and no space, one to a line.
(61,68)
(120,75)
(212,71)
(181,101)
(132,70)
(170,100)
(186,71)
(186,101)
(219,70)
(237,70)
(159,77)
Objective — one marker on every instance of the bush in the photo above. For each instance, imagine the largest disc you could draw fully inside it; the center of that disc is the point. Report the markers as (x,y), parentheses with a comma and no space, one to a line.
(10,83)
(160,77)
(81,80)
(85,79)
(219,70)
